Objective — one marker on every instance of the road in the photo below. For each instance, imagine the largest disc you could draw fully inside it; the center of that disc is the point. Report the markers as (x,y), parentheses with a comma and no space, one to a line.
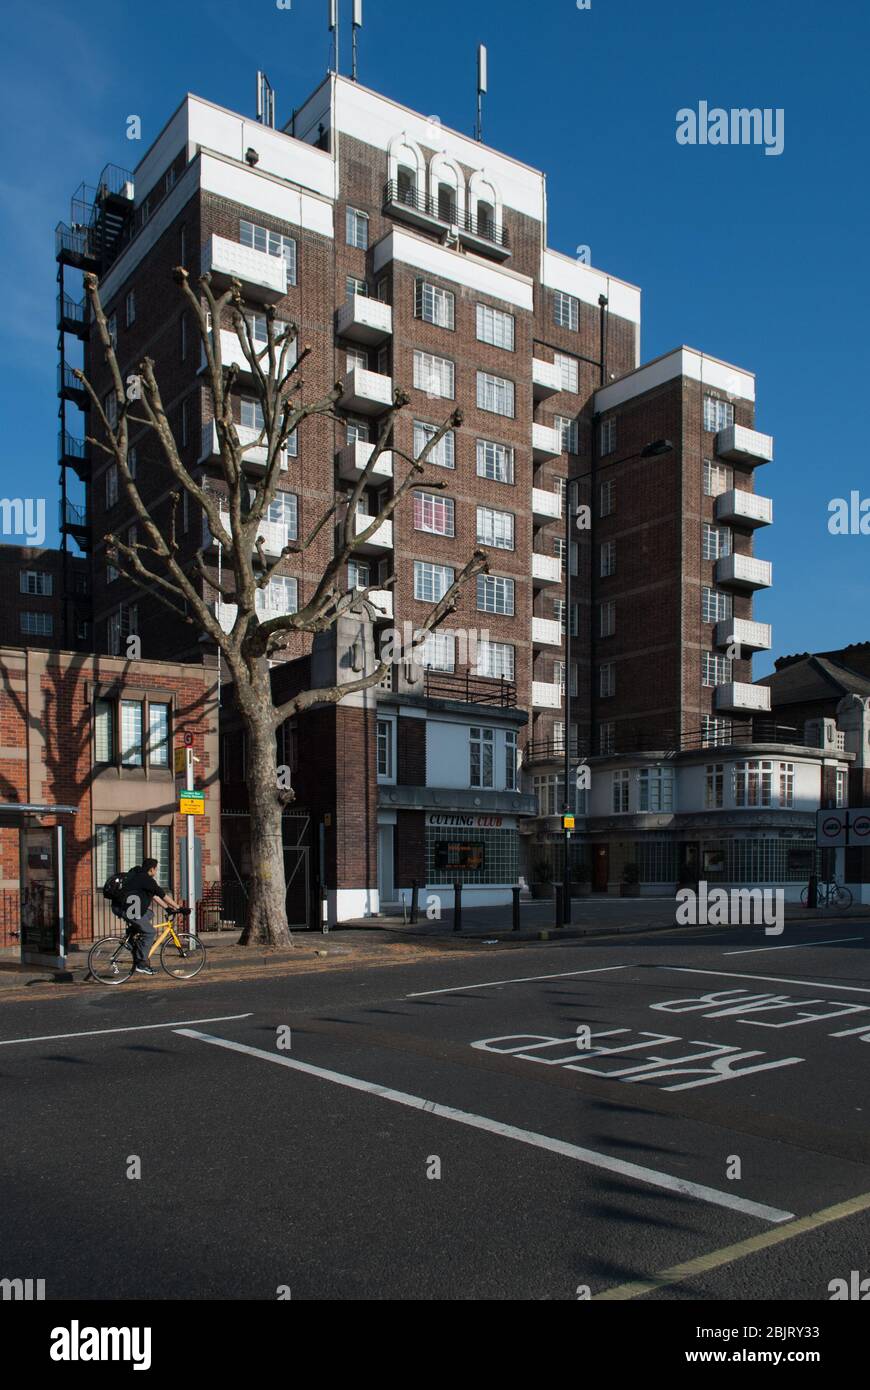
(447,1129)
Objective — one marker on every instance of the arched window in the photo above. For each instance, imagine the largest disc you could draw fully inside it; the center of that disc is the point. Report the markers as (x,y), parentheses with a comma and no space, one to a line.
(484,206)
(406,169)
(447,189)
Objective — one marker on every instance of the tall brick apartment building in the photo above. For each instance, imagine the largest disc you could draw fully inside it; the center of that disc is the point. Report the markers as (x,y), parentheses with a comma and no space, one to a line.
(414,257)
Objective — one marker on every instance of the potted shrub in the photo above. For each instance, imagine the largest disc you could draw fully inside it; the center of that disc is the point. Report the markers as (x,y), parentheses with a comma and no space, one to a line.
(542,879)
(630,885)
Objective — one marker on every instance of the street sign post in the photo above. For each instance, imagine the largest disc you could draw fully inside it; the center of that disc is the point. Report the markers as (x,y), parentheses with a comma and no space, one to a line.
(190,803)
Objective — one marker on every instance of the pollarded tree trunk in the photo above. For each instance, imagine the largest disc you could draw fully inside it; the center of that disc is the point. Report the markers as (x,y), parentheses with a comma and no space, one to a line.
(266,919)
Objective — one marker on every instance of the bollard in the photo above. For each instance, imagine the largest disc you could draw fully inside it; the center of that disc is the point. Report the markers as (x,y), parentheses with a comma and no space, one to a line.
(457,907)
(558,905)
(414,892)
(515,892)
(813,891)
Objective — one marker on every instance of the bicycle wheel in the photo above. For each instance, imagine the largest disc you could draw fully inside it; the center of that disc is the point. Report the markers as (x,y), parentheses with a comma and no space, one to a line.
(840,897)
(805,893)
(185,963)
(110,960)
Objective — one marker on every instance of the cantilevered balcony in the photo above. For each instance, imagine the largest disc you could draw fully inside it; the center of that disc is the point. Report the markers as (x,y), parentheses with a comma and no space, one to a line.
(72,315)
(546,379)
(253,457)
(262,276)
(481,232)
(353,458)
(381,600)
(744,572)
(546,506)
(737,697)
(70,388)
(546,632)
(547,695)
(274,534)
(739,508)
(546,443)
(380,542)
(367,393)
(751,636)
(745,446)
(75,454)
(546,569)
(364,320)
(233,354)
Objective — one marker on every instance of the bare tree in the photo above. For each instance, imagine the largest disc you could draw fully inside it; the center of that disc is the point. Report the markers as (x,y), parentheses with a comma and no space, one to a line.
(155,563)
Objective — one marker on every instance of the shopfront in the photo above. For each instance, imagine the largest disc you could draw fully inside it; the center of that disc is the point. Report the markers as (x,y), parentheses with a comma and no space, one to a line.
(480,851)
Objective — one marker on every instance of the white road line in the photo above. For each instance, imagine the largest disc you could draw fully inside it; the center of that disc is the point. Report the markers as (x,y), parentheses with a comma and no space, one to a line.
(523,1136)
(795,946)
(777,979)
(521,980)
(136,1028)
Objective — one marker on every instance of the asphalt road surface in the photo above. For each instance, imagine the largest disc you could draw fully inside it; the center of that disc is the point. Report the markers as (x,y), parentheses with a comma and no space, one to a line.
(651,1117)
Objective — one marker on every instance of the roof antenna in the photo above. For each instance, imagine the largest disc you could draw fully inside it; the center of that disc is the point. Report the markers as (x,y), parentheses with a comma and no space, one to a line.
(333,29)
(265,101)
(481,89)
(357,24)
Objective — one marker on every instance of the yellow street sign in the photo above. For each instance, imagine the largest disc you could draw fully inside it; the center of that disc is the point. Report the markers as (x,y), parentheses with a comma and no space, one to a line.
(567,822)
(191,803)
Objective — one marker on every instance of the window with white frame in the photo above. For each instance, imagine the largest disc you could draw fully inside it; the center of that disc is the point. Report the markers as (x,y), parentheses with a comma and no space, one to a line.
(495,660)
(607,436)
(607,498)
(752,783)
(495,327)
(357,228)
(272,243)
(567,430)
(566,311)
(495,528)
(786,785)
(386,738)
(495,394)
(716,606)
(559,668)
(37,624)
(436,651)
(130,308)
(718,415)
(549,789)
(444,452)
(842,787)
(158,733)
(714,790)
(357,432)
(715,542)
(353,286)
(356,359)
(431,582)
(131,733)
(606,737)
(36,582)
(481,750)
(434,514)
(280,595)
(434,375)
(607,559)
(495,461)
(359,574)
(621,791)
(607,618)
(284,511)
(510,760)
(434,305)
(606,680)
(111,485)
(715,669)
(120,625)
(569,371)
(718,478)
(495,594)
(655,789)
(715,732)
(250,414)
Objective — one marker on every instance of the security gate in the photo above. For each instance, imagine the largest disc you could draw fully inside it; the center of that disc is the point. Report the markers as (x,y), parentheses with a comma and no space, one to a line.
(229,912)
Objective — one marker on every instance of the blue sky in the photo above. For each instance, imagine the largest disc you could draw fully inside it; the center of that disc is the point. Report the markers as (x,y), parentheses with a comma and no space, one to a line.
(756,259)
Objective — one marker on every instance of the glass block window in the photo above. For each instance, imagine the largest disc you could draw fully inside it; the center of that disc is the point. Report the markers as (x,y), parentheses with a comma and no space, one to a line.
(499,862)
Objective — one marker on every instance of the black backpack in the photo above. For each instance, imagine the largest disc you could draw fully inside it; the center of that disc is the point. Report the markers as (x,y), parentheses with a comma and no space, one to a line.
(115,889)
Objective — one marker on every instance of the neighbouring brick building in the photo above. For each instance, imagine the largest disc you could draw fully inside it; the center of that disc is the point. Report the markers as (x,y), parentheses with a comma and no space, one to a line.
(39,585)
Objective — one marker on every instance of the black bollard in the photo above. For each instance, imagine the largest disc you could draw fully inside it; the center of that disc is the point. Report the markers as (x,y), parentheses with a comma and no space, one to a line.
(457,907)
(813,891)
(515,893)
(414,891)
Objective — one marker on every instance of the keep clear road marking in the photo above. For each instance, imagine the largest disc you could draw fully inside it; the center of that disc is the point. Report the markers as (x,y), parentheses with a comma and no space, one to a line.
(136,1028)
(729,1254)
(795,946)
(776,979)
(522,980)
(523,1136)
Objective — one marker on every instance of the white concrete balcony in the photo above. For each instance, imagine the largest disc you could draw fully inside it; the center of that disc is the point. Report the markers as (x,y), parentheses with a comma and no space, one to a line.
(367,393)
(739,508)
(233,354)
(546,569)
(744,572)
(364,320)
(546,379)
(274,534)
(743,445)
(253,457)
(547,695)
(382,601)
(751,636)
(546,443)
(352,460)
(546,506)
(739,698)
(380,542)
(546,632)
(263,277)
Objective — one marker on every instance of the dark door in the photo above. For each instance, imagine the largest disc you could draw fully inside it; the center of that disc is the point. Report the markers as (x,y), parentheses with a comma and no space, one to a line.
(601,869)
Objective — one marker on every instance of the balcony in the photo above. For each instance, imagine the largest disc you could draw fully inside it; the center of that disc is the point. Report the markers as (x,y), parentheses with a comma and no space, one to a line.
(253,458)
(546,443)
(367,393)
(75,454)
(353,458)
(745,446)
(380,542)
(546,569)
(546,506)
(546,379)
(381,600)
(752,637)
(739,508)
(274,534)
(263,277)
(546,632)
(70,388)
(72,315)
(233,354)
(744,572)
(738,697)
(548,750)
(470,689)
(478,233)
(364,320)
(547,695)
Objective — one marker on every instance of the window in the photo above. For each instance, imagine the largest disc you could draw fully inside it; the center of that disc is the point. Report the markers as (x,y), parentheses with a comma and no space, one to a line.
(104,731)
(272,243)
(434,305)
(715,606)
(182,336)
(714,795)
(161,850)
(495,528)
(606,737)
(385,750)
(607,498)
(436,651)
(495,394)
(356,359)
(185,511)
(606,680)
(434,375)
(250,414)
(158,734)
(133,461)
(550,791)
(495,595)
(481,745)
(446,203)
(510,761)
(106,853)
(444,453)
(37,624)
(655,789)
(182,245)
(559,615)
(606,619)
(110,409)
(131,733)
(284,510)
(354,286)
(431,582)
(132,847)
(357,432)
(36,582)
(559,549)
(566,311)
(567,430)
(752,783)
(433,514)
(292,445)
(621,790)
(495,660)
(357,228)
(121,624)
(111,573)
(842,787)
(112,327)
(715,733)
(130,308)
(569,371)
(111,485)
(715,542)
(715,669)
(786,784)
(718,478)
(495,327)
(183,427)
(495,461)
(607,436)
(280,596)
(359,574)
(718,415)
(607,559)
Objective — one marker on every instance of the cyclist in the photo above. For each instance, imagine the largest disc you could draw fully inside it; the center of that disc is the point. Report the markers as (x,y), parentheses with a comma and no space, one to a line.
(140,890)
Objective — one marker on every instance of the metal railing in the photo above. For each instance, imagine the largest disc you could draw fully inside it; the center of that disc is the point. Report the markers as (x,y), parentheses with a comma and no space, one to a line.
(72,516)
(548,750)
(486,228)
(70,447)
(472,690)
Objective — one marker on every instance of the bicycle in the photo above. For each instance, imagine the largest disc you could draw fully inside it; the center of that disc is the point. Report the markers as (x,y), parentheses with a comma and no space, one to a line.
(830,894)
(111,960)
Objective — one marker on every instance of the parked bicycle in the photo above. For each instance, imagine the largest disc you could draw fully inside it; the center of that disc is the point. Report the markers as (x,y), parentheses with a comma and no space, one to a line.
(111,960)
(831,894)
